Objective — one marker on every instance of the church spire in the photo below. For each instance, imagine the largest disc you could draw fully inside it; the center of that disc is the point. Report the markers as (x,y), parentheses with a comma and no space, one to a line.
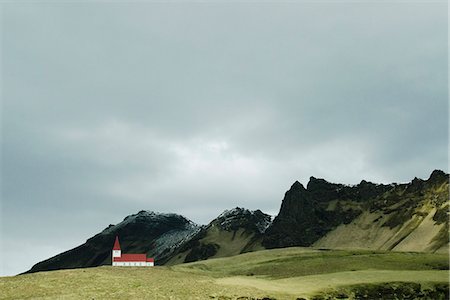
(116,244)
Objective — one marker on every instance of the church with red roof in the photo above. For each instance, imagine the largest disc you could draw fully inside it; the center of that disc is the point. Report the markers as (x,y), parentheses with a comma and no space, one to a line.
(129,260)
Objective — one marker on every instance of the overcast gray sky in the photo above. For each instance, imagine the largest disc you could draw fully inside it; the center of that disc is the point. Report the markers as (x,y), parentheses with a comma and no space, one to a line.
(193,108)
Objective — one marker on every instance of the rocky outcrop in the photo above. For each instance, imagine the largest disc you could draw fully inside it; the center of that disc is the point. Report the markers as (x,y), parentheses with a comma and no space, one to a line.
(308,214)
(408,217)
(367,215)
(241,218)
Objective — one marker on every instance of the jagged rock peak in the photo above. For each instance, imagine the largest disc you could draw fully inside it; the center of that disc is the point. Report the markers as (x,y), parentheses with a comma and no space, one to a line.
(438,176)
(239,211)
(238,217)
(297,186)
(415,185)
(365,183)
(313,179)
(152,214)
(234,211)
(320,183)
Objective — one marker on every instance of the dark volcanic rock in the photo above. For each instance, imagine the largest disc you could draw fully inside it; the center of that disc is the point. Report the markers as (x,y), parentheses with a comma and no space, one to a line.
(408,197)
(438,177)
(237,218)
(202,252)
(321,190)
(297,224)
(415,185)
(441,215)
(304,216)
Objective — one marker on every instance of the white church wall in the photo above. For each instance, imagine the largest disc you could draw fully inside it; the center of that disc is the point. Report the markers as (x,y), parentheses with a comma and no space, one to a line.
(132,264)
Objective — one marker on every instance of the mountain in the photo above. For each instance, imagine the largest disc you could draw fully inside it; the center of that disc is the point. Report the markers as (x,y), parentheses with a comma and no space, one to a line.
(408,217)
(400,217)
(405,217)
(169,238)
(156,234)
(233,232)
(307,214)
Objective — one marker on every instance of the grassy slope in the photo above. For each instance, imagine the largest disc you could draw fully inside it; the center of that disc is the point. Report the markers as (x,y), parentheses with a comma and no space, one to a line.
(416,231)
(230,244)
(280,273)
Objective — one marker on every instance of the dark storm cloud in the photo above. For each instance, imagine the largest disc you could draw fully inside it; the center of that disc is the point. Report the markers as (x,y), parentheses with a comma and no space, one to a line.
(193,108)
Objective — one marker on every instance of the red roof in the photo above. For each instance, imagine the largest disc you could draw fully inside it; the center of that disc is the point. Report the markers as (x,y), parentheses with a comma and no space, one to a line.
(133,257)
(116,244)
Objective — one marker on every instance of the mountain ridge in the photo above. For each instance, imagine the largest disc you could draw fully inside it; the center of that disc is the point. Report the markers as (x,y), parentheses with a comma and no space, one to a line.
(233,232)
(326,215)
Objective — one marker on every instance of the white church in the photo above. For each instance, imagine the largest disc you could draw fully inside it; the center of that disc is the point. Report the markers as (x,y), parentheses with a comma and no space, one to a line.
(129,260)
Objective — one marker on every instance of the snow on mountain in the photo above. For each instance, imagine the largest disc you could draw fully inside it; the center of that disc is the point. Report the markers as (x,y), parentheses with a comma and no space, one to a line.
(171,240)
(240,217)
(147,217)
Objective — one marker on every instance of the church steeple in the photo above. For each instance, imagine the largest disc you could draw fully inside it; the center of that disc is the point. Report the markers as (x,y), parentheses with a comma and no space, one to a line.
(116,252)
(116,244)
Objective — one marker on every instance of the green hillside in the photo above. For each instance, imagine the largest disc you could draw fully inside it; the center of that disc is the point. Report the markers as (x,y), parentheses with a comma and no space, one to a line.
(290,273)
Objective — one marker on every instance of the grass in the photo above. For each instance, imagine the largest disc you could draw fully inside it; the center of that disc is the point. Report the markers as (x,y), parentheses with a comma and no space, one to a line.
(113,283)
(394,290)
(291,262)
(280,273)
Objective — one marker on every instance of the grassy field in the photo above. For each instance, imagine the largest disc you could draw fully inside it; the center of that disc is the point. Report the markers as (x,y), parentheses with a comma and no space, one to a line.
(289,273)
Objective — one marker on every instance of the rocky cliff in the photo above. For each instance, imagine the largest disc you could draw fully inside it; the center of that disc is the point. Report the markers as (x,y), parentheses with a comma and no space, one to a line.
(407,217)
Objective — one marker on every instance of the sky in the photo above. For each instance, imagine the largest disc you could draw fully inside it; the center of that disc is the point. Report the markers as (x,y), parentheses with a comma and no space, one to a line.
(109,108)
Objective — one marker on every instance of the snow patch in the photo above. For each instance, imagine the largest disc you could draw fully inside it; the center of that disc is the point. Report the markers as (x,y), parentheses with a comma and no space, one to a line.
(171,240)
(143,214)
(228,218)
